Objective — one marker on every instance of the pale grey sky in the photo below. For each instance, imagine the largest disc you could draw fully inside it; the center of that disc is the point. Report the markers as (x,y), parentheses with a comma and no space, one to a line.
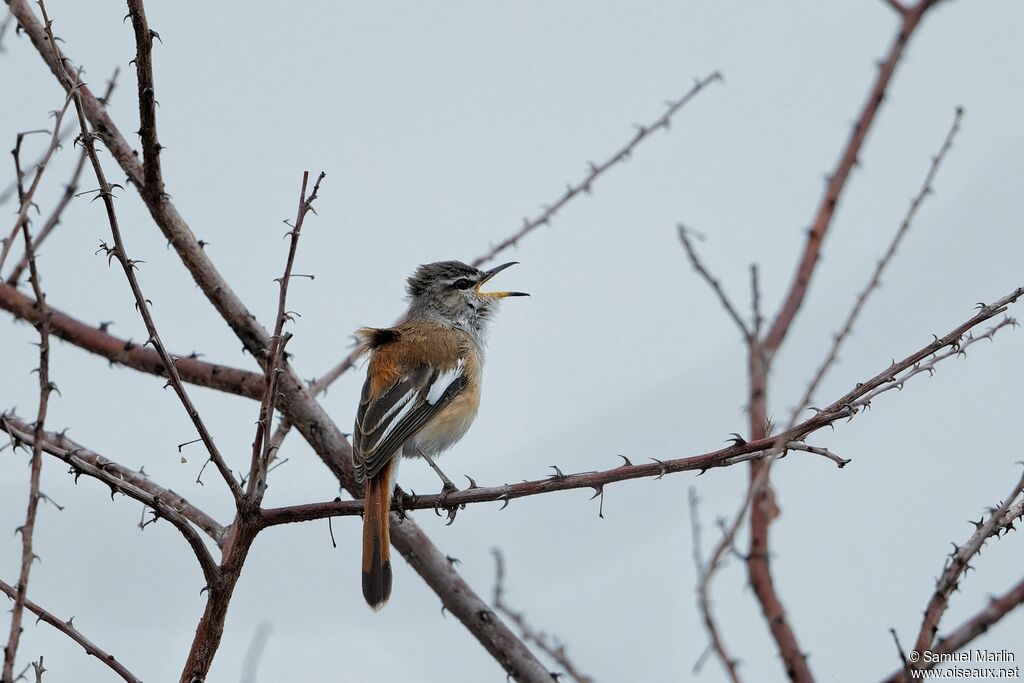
(440,126)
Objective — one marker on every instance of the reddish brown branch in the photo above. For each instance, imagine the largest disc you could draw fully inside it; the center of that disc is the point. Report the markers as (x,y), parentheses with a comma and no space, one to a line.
(126,352)
(152,178)
(876,276)
(68,629)
(837,180)
(763,509)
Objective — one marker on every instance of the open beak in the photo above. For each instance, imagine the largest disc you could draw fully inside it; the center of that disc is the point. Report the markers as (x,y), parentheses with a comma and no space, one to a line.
(491,273)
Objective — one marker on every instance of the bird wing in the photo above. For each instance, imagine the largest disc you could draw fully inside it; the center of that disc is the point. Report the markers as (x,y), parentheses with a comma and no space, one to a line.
(386,421)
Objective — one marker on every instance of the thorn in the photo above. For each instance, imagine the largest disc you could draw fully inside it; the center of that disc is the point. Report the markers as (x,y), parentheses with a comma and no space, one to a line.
(626,462)
(737,440)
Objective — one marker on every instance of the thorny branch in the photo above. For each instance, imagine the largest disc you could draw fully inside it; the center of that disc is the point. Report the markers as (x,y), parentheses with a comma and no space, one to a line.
(46,387)
(68,629)
(129,266)
(126,352)
(164,502)
(876,276)
(958,562)
(25,197)
(551,646)
(151,147)
(262,446)
(978,624)
(597,170)
(69,193)
(846,407)
(300,409)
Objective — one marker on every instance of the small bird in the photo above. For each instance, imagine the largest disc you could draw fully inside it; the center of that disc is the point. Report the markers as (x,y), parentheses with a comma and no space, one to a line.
(421,394)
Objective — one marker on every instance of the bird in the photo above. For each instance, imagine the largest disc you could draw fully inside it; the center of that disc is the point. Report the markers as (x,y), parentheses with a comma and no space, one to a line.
(421,394)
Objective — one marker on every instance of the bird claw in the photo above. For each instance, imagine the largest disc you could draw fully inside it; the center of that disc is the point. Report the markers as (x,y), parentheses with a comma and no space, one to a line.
(451,510)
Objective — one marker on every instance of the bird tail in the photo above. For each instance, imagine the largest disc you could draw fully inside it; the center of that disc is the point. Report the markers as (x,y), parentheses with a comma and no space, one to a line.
(377,540)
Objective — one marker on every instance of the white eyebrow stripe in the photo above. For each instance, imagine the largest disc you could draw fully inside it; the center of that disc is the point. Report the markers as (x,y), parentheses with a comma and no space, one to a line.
(409,395)
(394,422)
(443,381)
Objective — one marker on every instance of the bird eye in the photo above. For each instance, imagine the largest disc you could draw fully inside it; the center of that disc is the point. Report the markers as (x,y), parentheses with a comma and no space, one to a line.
(462,283)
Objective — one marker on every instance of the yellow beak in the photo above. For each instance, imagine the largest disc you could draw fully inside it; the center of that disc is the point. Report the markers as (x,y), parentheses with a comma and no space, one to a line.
(491,273)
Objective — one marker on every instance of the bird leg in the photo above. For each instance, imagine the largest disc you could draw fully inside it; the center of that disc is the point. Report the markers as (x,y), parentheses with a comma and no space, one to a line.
(448,488)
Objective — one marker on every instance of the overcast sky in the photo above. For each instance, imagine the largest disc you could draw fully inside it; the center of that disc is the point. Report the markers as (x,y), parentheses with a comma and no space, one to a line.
(440,126)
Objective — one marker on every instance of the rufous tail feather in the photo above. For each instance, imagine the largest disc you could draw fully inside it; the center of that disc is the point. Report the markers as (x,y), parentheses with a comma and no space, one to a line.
(377,540)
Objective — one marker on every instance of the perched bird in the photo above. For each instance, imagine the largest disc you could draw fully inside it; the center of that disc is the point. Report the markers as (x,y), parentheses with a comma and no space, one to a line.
(421,394)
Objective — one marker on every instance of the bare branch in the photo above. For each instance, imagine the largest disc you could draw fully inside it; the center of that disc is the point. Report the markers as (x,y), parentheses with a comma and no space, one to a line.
(119,252)
(597,170)
(837,180)
(763,508)
(164,502)
(684,237)
(25,197)
(958,562)
(704,573)
(126,352)
(262,446)
(152,177)
(46,387)
(876,275)
(68,629)
(551,646)
(69,193)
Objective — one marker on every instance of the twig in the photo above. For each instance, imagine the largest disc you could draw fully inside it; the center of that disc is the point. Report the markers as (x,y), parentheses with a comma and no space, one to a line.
(68,629)
(69,193)
(12,187)
(755,301)
(712,282)
(261,445)
(28,556)
(128,265)
(164,502)
(551,647)
(704,575)
(901,651)
(959,562)
(596,170)
(875,281)
(25,197)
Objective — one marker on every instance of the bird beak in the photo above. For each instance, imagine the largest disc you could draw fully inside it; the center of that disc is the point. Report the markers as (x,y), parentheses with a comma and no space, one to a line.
(491,273)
